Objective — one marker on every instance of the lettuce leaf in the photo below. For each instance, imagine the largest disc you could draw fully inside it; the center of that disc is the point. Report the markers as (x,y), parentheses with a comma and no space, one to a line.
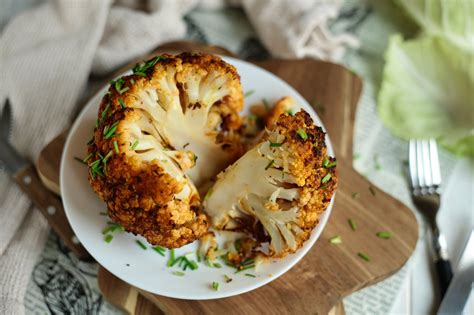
(428,92)
(452,20)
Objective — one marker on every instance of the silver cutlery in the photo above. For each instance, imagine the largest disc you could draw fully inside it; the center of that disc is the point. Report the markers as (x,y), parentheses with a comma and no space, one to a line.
(426,183)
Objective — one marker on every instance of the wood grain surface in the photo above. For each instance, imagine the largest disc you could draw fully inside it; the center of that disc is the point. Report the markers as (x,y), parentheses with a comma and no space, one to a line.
(328,272)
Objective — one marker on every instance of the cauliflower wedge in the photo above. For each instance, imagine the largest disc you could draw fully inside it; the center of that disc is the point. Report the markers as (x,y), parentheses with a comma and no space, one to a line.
(279,188)
(162,131)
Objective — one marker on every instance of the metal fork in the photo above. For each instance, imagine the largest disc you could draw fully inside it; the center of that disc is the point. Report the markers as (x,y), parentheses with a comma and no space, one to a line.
(426,183)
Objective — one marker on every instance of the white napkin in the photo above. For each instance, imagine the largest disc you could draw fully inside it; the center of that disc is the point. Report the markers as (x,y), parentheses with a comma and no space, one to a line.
(47,54)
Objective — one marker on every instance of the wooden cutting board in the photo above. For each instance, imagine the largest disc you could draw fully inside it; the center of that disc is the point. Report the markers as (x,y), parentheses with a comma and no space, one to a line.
(328,272)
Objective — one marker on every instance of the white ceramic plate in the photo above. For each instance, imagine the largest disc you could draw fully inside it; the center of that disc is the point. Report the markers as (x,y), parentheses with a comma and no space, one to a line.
(146,269)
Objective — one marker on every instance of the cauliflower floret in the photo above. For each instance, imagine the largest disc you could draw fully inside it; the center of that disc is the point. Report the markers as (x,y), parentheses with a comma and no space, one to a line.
(278,189)
(157,132)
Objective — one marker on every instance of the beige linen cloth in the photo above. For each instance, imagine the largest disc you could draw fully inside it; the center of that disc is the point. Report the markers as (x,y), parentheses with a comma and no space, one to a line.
(47,54)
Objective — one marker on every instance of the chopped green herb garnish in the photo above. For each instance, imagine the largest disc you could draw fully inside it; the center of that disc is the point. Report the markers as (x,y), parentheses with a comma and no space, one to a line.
(134,145)
(208,194)
(355,195)
(184,146)
(178,273)
(143,246)
(335,240)
(142,68)
(270,164)
(248,93)
(325,162)
(80,160)
(133,81)
(352,224)
(250,275)
(104,114)
(238,244)
(109,131)
(384,234)
(160,250)
(122,103)
(290,112)
(108,238)
(194,158)
(363,256)
(372,190)
(265,104)
(275,144)
(246,262)
(331,164)
(302,133)
(112,227)
(171,259)
(217,265)
(326,178)
(227,278)
(215,286)
(245,268)
(116,147)
(176,261)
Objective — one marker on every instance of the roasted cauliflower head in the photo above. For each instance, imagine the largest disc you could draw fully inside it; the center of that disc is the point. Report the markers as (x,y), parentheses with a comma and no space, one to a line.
(162,131)
(279,188)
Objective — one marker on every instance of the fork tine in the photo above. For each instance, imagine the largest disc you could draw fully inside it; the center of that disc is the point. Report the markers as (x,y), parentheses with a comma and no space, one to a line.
(412,164)
(435,169)
(419,164)
(427,163)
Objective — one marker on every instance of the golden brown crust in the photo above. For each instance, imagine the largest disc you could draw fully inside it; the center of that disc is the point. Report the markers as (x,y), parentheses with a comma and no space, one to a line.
(308,170)
(139,194)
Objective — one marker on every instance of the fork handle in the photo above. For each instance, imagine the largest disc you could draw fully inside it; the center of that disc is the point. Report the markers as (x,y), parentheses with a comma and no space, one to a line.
(445,274)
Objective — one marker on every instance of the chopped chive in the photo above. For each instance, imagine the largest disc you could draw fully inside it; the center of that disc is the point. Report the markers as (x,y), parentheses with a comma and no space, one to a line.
(302,133)
(245,268)
(372,190)
(116,147)
(176,261)
(275,144)
(192,264)
(178,273)
(384,234)
(134,145)
(142,68)
(331,164)
(355,195)
(171,259)
(110,131)
(160,250)
(238,244)
(87,158)
(91,141)
(227,278)
(326,178)
(122,103)
(215,286)
(111,228)
(108,238)
(335,240)
(132,81)
(247,262)
(325,162)
(363,256)
(352,224)
(265,104)
(198,255)
(248,93)
(184,146)
(194,158)
(104,114)
(217,265)
(143,74)
(270,164)
(140,244)
(290,112)
(80,160)
(208,194)
(250,275)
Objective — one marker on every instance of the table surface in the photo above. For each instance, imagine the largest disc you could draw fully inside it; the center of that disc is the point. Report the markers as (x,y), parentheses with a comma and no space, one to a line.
(415,282)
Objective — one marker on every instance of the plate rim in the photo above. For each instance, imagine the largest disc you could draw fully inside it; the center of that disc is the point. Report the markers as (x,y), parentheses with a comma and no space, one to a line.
(215,294)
